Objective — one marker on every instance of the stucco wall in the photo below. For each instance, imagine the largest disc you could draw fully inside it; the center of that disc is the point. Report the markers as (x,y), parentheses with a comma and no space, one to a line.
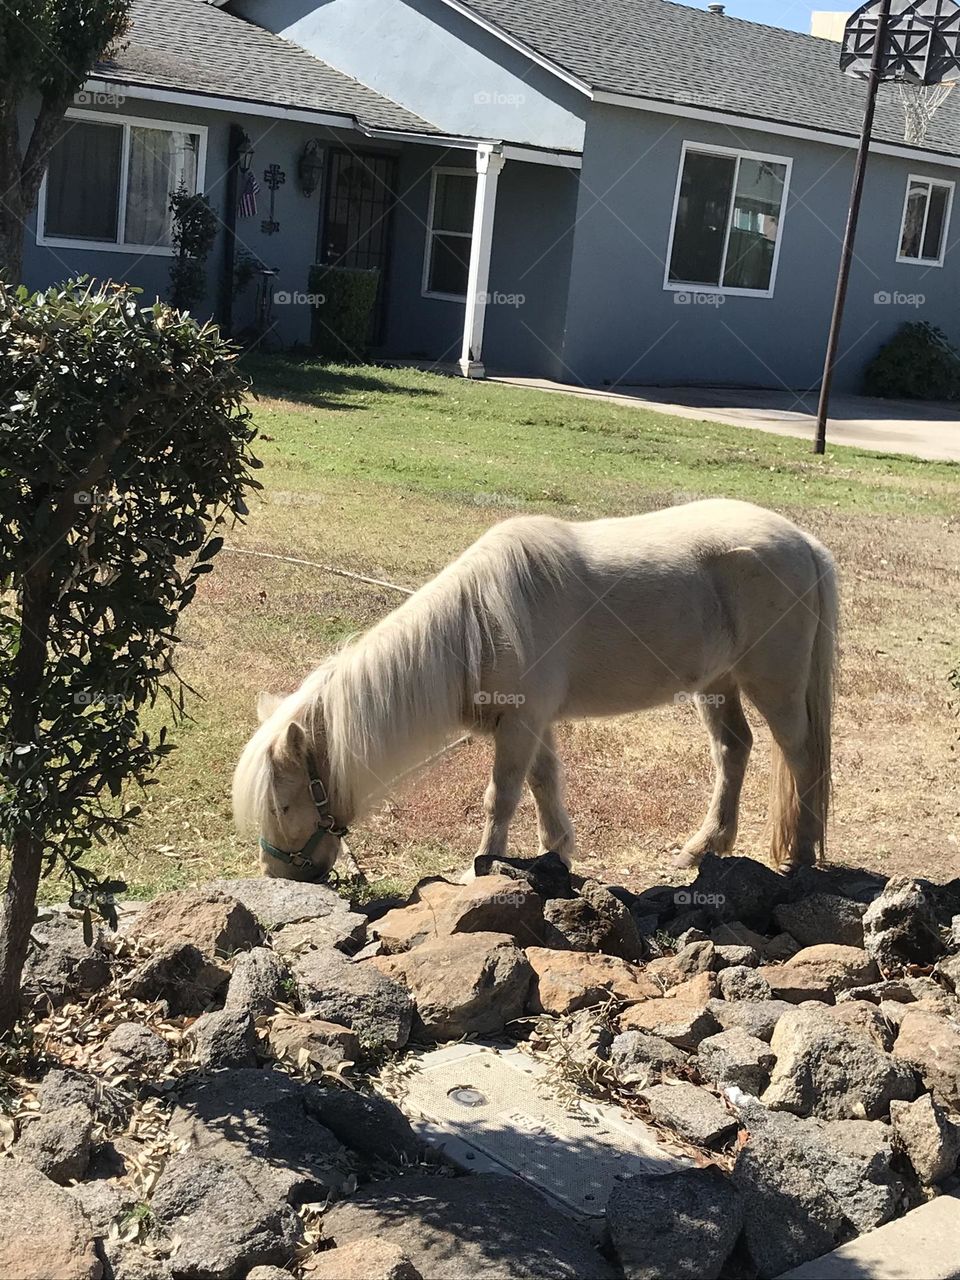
(624,326)
(434,61)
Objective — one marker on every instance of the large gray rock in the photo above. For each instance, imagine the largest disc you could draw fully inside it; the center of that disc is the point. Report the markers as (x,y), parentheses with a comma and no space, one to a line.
(59,1143)
(900,927)
(809,1186)
(44,1234)
(739,889)
(484,1227)
(224,1039)
(696,1114)
(258,983)
(682,1225)
(264,1123)
(136,1048)
(928,1136)
(60,965)
(179,974)
(104,1201)
(594,921)
(738,982)
(366,1123)
(735,1058)
(833,1071)
(278,904)
(822,917)
(223,1222)
(128,1260)
(757,1017)
(64,1087)
(379,1009)
(636,1055)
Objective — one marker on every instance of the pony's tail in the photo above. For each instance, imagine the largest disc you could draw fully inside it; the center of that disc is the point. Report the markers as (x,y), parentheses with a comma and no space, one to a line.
(786,804)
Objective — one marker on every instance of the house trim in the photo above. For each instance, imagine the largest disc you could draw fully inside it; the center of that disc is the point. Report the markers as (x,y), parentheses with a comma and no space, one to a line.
(119,245)
(674,286)
(947,217)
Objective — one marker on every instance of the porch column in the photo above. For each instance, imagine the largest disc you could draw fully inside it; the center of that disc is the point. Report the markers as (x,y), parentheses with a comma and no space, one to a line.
(489,164)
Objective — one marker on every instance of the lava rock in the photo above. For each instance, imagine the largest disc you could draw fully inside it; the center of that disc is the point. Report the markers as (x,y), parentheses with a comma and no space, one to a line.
(224,1225)
(741,983)
(325,1044)
(596,921)
(833,1071)
(63,1088)
(931,1044)
(757,1017)
(548,875)
(177,974)
(901,927)
(736,957)
(635,1055)
(224,1039)
(258,983)
(60,966)
(366,1123)
(43,1230)
(819,973)
(682,1224)
(440,909)
(683,1016)
(735,1058)
(217,925)
(694,958)
(136,1048)
(565,981)
(279,903)
(485,1227)
(60,1142)
(362,1260)
(377,1008)
(822,917)
(926,1134)
(468,984)
(737,889)
(696,1114)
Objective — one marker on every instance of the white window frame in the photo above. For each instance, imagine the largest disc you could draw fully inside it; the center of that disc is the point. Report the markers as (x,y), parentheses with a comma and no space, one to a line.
(929,183)
(674,286)
(425,290)
(118,245)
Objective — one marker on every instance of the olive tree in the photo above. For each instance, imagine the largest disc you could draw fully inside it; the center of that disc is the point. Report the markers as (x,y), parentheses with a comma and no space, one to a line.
(47,49)
(124,442)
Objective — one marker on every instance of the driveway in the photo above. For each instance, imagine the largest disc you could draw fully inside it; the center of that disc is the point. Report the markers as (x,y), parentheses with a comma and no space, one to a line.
(923,429)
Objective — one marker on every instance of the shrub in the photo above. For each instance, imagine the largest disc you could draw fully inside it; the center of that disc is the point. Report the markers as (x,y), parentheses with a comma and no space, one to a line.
(124,441)
(343,320)
(919,363)
(194,231)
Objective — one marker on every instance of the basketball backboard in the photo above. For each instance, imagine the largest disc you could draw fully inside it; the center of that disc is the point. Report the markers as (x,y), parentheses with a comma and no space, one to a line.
(922,44)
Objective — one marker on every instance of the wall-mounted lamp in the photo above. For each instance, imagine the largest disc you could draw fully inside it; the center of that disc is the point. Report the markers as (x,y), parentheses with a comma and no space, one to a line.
(245,152)
(310,167)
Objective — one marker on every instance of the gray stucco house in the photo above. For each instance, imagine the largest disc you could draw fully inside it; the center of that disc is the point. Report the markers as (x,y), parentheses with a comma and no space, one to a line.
(612,191)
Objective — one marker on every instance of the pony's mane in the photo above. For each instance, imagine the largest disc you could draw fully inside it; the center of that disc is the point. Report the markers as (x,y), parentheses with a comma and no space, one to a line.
(395,694)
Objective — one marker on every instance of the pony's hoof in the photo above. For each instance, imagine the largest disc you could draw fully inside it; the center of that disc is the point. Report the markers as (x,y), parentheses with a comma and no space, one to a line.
(687,861)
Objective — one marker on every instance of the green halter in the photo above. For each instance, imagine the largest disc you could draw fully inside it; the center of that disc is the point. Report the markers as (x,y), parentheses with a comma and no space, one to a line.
(327,826)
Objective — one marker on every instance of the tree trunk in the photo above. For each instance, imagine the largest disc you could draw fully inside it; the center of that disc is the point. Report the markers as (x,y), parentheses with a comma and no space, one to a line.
(11,240)
(18,905)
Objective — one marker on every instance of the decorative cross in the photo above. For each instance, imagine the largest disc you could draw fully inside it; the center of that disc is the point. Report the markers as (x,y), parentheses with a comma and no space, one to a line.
(274,177)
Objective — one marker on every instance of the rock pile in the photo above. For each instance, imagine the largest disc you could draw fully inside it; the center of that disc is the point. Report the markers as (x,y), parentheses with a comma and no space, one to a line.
(196,1120)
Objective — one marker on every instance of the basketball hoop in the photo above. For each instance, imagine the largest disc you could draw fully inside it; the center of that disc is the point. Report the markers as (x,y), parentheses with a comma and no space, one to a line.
(920,103)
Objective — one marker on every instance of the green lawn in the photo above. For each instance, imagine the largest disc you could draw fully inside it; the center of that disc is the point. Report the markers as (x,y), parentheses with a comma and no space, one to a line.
(392,472)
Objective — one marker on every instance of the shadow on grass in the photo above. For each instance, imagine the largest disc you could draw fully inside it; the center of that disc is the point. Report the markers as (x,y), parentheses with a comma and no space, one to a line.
(307,380)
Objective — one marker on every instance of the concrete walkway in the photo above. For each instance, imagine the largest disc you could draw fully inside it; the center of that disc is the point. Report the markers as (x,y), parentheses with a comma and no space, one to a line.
(923,429)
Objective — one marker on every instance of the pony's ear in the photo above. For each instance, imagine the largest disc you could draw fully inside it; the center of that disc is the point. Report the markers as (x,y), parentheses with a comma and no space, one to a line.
(294,742)
(267,704)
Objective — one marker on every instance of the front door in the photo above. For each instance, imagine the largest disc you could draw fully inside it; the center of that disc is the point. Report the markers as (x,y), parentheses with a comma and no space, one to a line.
(355,216)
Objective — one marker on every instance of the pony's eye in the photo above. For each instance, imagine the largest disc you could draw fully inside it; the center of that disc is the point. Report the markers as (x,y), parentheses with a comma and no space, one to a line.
(284,808)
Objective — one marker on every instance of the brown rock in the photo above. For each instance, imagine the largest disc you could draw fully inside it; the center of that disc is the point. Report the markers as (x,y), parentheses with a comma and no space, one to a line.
(565,981)
(818,973)
(44,1234)
(931,1044)
(682,1016)
(214,923)
(439,909)
(470,983)
(670,971)
(862,1017)
(370,1259)
(326,1044)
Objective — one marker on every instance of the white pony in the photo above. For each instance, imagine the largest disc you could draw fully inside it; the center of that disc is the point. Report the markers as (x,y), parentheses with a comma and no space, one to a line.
(543,620)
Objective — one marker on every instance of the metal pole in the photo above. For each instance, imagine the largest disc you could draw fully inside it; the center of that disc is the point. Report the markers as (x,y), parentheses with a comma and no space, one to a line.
(850,235)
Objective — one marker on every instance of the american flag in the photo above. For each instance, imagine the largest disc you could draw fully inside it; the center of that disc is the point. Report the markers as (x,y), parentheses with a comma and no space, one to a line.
(247,204)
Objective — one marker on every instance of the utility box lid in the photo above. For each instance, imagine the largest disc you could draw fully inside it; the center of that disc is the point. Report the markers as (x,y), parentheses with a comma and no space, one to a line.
(493,1111)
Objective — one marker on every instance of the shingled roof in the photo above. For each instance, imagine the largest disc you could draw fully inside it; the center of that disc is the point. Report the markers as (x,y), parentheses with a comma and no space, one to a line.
(191,46)
(673,53)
